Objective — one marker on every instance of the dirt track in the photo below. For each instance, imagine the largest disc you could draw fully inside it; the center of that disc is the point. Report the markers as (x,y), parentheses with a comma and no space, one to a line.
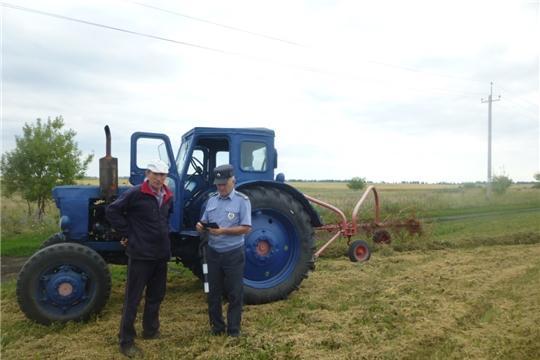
(11,266)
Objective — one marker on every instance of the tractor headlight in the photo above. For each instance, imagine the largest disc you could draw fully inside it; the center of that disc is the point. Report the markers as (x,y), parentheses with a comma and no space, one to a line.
(64,222)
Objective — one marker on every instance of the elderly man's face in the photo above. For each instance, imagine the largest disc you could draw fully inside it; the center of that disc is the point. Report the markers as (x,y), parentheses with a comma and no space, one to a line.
(156,180)
(225,189)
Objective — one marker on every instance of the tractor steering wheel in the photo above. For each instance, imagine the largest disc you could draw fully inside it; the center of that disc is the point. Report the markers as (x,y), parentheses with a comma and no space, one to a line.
(198,167)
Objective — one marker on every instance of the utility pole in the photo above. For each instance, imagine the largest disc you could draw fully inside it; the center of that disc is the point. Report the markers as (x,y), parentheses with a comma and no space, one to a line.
(489,101)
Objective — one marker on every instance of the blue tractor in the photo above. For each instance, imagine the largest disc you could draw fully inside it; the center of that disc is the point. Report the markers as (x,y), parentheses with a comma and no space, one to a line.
(68,278)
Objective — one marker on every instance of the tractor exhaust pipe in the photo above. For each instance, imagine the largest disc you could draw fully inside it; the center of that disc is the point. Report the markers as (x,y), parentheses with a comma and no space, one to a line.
(108,172)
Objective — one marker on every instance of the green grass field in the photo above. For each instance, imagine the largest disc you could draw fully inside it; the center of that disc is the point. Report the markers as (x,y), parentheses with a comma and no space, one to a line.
(467,288)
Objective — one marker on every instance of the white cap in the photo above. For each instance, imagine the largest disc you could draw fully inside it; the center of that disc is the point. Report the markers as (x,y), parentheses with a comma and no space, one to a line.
(158,166)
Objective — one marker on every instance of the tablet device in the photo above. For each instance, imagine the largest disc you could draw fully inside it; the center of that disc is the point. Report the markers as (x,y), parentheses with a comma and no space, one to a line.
(210,225)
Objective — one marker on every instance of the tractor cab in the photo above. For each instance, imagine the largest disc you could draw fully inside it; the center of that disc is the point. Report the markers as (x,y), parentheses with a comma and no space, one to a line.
(250,150)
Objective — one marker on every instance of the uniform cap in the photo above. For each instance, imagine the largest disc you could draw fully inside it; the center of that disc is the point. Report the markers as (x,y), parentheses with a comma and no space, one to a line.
(158,166)
(223,173)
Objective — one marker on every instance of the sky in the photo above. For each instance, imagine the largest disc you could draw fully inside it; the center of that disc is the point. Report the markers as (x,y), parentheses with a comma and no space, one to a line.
(388,91)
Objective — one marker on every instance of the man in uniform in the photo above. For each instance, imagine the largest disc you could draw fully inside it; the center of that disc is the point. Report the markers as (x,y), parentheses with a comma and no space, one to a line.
(230,210)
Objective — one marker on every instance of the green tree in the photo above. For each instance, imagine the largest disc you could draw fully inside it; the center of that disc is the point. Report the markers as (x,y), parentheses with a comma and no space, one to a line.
(44,157)
(500,183)
(357,183)
(537,178)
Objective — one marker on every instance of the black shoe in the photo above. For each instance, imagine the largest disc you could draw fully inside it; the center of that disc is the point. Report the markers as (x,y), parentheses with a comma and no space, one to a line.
(131,351)
(157,335)
(215,333)
(234,336)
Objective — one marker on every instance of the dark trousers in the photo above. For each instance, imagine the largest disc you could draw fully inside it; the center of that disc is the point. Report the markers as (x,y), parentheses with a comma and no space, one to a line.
(151,274)
(226,269)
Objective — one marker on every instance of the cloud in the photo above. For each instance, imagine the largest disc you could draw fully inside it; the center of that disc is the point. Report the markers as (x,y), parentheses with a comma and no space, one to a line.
(389,91)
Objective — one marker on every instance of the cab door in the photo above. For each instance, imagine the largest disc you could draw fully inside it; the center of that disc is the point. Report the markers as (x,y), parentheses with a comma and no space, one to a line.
(151,146)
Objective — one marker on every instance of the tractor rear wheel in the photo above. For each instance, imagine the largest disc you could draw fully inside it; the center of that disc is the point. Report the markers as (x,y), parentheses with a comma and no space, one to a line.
(63,282)
(279,248)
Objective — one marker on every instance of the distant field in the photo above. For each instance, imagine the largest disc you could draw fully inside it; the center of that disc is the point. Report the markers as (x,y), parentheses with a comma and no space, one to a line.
(386,186)
(396,201)
(321,185)
(343,186)
(306,186)
(95,182)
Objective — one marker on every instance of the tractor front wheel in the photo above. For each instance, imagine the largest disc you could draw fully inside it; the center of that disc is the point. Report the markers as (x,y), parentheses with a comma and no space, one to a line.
(55,239)
(63,282)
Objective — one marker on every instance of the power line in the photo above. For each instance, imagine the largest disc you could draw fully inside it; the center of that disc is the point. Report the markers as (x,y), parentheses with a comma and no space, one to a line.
(302,67)
(526,117)
(302,45)
(516,95)
(515,103)
(225,26)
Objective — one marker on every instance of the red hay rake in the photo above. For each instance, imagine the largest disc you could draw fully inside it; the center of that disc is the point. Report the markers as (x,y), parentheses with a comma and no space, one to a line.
(360,250)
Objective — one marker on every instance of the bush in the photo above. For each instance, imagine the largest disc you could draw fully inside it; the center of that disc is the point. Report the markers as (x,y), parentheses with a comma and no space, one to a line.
(500,183)
(536,177)
(357,183)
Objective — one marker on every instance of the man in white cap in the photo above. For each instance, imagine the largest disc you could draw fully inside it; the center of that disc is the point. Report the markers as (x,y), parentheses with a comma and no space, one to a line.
(140,216)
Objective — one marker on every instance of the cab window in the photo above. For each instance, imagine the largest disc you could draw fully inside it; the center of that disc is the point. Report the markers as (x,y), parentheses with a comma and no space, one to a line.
(253,156)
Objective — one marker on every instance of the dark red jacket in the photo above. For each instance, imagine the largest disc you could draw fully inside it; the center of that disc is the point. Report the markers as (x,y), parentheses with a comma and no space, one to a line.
(137,215)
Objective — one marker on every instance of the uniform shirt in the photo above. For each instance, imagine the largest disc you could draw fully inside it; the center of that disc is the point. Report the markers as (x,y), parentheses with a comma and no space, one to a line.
(230,211)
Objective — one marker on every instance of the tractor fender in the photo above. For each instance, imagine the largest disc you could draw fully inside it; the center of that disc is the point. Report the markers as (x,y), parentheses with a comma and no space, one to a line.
(292,191)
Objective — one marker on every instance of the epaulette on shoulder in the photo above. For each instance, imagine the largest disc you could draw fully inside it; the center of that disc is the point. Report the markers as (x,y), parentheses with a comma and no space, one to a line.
(209,195)
(242,195)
